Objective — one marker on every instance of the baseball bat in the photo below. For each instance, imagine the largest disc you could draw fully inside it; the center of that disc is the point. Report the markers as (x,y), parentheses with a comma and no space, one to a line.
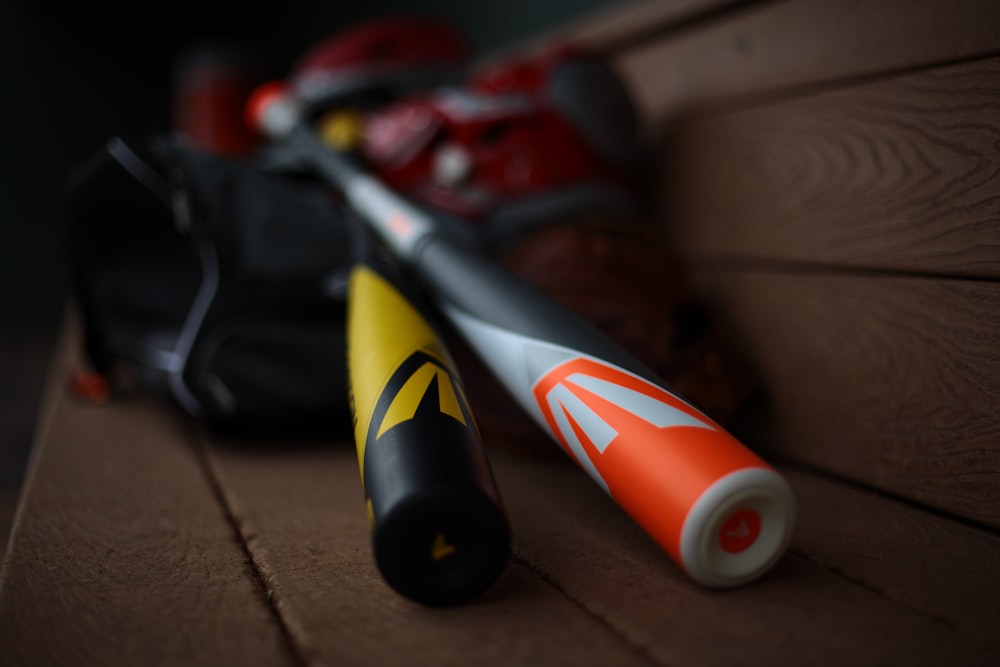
(719,510)
(439,532)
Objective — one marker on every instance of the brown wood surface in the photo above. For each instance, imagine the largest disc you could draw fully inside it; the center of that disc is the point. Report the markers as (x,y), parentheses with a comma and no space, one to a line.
(627,24)
(585,585)
(142,541)
(891,381)
(797,614)
(900,174)
(121,553)
(946,569)
(777,46)
(617,27)
(303,513)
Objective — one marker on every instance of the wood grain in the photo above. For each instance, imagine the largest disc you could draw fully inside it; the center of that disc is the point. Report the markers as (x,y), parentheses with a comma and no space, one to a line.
(799,613)
(624,25)
(900,174)
(121,554)
(302,511)
(947,570)
(890,381)
(615,28)
(585,585)
(776,47)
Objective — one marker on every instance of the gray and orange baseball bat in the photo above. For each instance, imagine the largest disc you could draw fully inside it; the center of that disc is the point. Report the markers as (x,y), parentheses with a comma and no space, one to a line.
(719,510)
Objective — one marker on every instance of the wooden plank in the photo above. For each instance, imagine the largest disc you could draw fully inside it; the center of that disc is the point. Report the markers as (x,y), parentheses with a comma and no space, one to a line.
(585,584)
(144,582)
(302,510)
(891,381)
(623,25)
(899,174)
(120,553)
(947,570)
(570,532)
(616,27)
(784,45)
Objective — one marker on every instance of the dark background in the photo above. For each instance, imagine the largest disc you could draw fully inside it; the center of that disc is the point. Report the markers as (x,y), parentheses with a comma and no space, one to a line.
(75,74)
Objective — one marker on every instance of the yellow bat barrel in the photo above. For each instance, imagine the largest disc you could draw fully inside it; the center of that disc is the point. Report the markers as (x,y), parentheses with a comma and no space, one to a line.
(439,530)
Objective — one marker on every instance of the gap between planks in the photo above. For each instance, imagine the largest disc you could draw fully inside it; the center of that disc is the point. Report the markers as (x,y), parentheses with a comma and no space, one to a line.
(201,449)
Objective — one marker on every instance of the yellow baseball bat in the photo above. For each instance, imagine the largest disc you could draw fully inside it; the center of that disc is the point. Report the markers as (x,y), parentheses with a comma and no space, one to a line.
(440,533)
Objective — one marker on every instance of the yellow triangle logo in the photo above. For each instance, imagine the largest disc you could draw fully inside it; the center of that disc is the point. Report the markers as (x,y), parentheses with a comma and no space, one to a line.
(406,401)
(441,548)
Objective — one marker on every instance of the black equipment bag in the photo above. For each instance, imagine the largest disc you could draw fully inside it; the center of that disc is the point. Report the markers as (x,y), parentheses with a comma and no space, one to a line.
(217,281)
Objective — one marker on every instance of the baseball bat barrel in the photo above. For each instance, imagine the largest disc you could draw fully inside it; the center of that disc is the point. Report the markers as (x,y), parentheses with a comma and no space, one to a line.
(716,507)
(440,535)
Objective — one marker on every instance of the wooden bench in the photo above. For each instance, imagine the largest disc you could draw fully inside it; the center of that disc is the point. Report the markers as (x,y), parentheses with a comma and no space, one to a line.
(830,182)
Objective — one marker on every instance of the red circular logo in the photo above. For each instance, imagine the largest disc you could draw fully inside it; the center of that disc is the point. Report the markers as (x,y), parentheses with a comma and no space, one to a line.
(739,531)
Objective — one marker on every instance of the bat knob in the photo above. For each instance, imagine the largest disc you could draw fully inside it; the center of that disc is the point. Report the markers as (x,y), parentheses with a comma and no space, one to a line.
(272,110)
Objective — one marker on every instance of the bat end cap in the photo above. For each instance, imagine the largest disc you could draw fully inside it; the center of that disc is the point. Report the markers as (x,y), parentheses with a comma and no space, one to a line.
(442,550)
(261,104)
(739,528)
